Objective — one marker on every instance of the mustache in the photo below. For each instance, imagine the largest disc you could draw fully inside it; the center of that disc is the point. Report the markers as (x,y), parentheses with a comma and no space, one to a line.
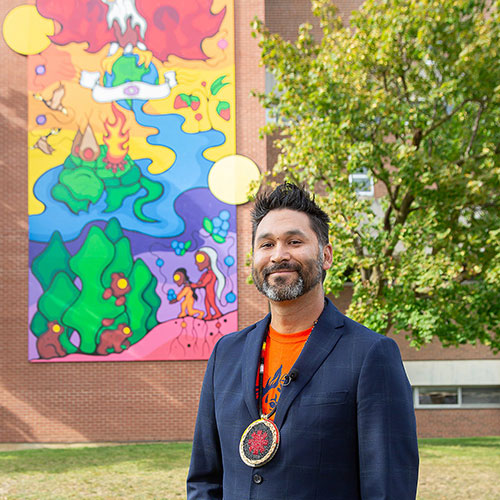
(280,267)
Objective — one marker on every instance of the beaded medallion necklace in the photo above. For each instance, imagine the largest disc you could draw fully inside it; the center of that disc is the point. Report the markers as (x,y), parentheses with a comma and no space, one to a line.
(260,441)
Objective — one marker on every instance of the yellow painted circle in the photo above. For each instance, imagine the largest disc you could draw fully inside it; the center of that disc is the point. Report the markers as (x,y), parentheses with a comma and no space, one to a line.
(26,31)
(126,330)
(177,277)
(200,257)
(56,328)
(231,178)
(183,324)
(122,283)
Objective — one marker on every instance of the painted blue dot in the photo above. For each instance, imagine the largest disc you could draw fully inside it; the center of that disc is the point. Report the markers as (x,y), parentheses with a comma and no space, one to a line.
(216,221)
(229,260)
(177,251)
(224,215)
(225,225)
(159,262)
(40,69)
(181,245)
(230,297)
(174,243)
(222,233)
(41,119)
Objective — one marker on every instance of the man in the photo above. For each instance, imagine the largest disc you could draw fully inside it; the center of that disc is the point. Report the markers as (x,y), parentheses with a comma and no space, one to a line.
(305,404)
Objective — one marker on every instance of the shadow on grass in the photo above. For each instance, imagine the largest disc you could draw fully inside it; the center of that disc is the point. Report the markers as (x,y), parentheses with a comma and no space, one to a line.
(150,457)
(475,442)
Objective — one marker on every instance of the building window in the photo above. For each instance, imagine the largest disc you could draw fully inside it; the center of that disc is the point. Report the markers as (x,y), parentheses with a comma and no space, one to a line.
(271,114)
(362,182)
(481,396)
(457,397)
(437,396)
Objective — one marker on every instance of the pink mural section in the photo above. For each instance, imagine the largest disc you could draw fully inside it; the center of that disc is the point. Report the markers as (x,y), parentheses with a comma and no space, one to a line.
(186,338)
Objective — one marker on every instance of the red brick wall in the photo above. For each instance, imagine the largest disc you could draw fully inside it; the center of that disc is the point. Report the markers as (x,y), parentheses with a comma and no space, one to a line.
(140,401)
(284,17)
(144,401)
(458,423)
(251,117)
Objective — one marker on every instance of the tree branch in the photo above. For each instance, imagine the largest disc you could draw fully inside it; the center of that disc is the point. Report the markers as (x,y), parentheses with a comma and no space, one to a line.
(474,129)
(403,213)
(445,118)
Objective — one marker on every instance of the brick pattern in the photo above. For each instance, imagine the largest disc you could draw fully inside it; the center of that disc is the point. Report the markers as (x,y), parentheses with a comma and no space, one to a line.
(147,401)
(458,423)
(143,401)
(250,118)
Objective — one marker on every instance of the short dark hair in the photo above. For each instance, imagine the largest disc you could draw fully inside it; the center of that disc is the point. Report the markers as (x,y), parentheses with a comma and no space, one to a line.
(292,197)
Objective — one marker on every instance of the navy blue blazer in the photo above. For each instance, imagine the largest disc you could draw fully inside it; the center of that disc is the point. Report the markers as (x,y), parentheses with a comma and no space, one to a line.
(346,422)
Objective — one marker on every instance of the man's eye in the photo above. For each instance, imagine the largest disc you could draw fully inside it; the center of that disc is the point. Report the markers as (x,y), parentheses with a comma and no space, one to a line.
(266,245)
(295,242)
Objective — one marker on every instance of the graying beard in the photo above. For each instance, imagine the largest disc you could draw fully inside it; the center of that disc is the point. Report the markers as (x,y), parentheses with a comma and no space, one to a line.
(282,293)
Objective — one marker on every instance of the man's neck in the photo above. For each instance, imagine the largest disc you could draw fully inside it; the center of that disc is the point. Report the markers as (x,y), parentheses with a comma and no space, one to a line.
(297,315)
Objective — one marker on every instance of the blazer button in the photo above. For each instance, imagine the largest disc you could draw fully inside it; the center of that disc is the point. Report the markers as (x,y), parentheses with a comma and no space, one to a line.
(257,478)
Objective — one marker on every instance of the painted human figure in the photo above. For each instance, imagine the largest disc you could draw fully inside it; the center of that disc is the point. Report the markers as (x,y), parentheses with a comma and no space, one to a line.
(206,260)
(187,295)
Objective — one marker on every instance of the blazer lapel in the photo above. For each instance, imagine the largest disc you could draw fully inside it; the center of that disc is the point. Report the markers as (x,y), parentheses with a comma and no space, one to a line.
(320,343)
(250,364)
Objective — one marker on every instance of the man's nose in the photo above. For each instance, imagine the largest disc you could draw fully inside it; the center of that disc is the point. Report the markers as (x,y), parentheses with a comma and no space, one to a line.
(280,253)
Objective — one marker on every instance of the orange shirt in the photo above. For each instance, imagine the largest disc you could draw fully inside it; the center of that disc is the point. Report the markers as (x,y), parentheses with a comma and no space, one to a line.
(282,350)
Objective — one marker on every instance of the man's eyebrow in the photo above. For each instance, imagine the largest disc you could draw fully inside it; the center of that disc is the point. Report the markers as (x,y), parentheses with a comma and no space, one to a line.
(292,232)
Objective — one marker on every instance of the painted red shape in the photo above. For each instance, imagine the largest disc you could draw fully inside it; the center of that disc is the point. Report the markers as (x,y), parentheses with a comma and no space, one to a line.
(225,114)
(173,27)
(80,21)
(178,28)
(180,103)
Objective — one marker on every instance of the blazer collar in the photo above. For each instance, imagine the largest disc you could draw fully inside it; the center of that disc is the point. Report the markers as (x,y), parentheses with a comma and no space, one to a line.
(320,343)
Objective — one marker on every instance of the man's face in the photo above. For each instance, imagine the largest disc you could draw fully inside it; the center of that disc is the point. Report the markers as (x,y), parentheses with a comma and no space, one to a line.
(287,259)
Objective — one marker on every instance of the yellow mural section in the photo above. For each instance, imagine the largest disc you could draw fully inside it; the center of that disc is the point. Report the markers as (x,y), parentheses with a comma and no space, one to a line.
(60,107)
(25,31)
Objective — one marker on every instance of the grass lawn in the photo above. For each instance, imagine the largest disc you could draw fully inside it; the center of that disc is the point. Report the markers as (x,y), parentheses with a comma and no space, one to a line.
(452,469)
(459,469)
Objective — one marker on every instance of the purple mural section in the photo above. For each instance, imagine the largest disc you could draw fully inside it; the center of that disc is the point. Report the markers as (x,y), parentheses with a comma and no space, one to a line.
(185,297)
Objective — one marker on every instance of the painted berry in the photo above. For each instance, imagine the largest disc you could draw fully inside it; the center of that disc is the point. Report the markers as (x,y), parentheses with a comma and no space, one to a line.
(180,103)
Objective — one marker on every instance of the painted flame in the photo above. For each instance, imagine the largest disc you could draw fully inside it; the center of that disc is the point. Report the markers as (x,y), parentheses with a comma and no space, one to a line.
(116,139)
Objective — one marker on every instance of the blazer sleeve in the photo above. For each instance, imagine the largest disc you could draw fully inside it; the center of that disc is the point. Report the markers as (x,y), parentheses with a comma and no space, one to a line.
(388,449)
(204,481)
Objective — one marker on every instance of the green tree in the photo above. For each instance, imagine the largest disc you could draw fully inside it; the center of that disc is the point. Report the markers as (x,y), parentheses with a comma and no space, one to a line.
(408,93)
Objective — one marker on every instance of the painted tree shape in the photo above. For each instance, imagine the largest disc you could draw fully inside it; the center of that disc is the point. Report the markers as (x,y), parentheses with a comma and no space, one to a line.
(104,259)
(88,311)
(54,259)
(52,305)
(138,309)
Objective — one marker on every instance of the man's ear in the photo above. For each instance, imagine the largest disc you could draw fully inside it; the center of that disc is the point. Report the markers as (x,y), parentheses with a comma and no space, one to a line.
(327,256)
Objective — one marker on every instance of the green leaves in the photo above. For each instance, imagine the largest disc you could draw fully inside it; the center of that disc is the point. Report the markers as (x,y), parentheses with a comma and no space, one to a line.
(208,225)
(218,85)
(209,228)
(409,94)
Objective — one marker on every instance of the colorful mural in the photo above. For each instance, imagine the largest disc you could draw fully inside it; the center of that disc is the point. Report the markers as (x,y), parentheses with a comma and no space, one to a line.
(133,175)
